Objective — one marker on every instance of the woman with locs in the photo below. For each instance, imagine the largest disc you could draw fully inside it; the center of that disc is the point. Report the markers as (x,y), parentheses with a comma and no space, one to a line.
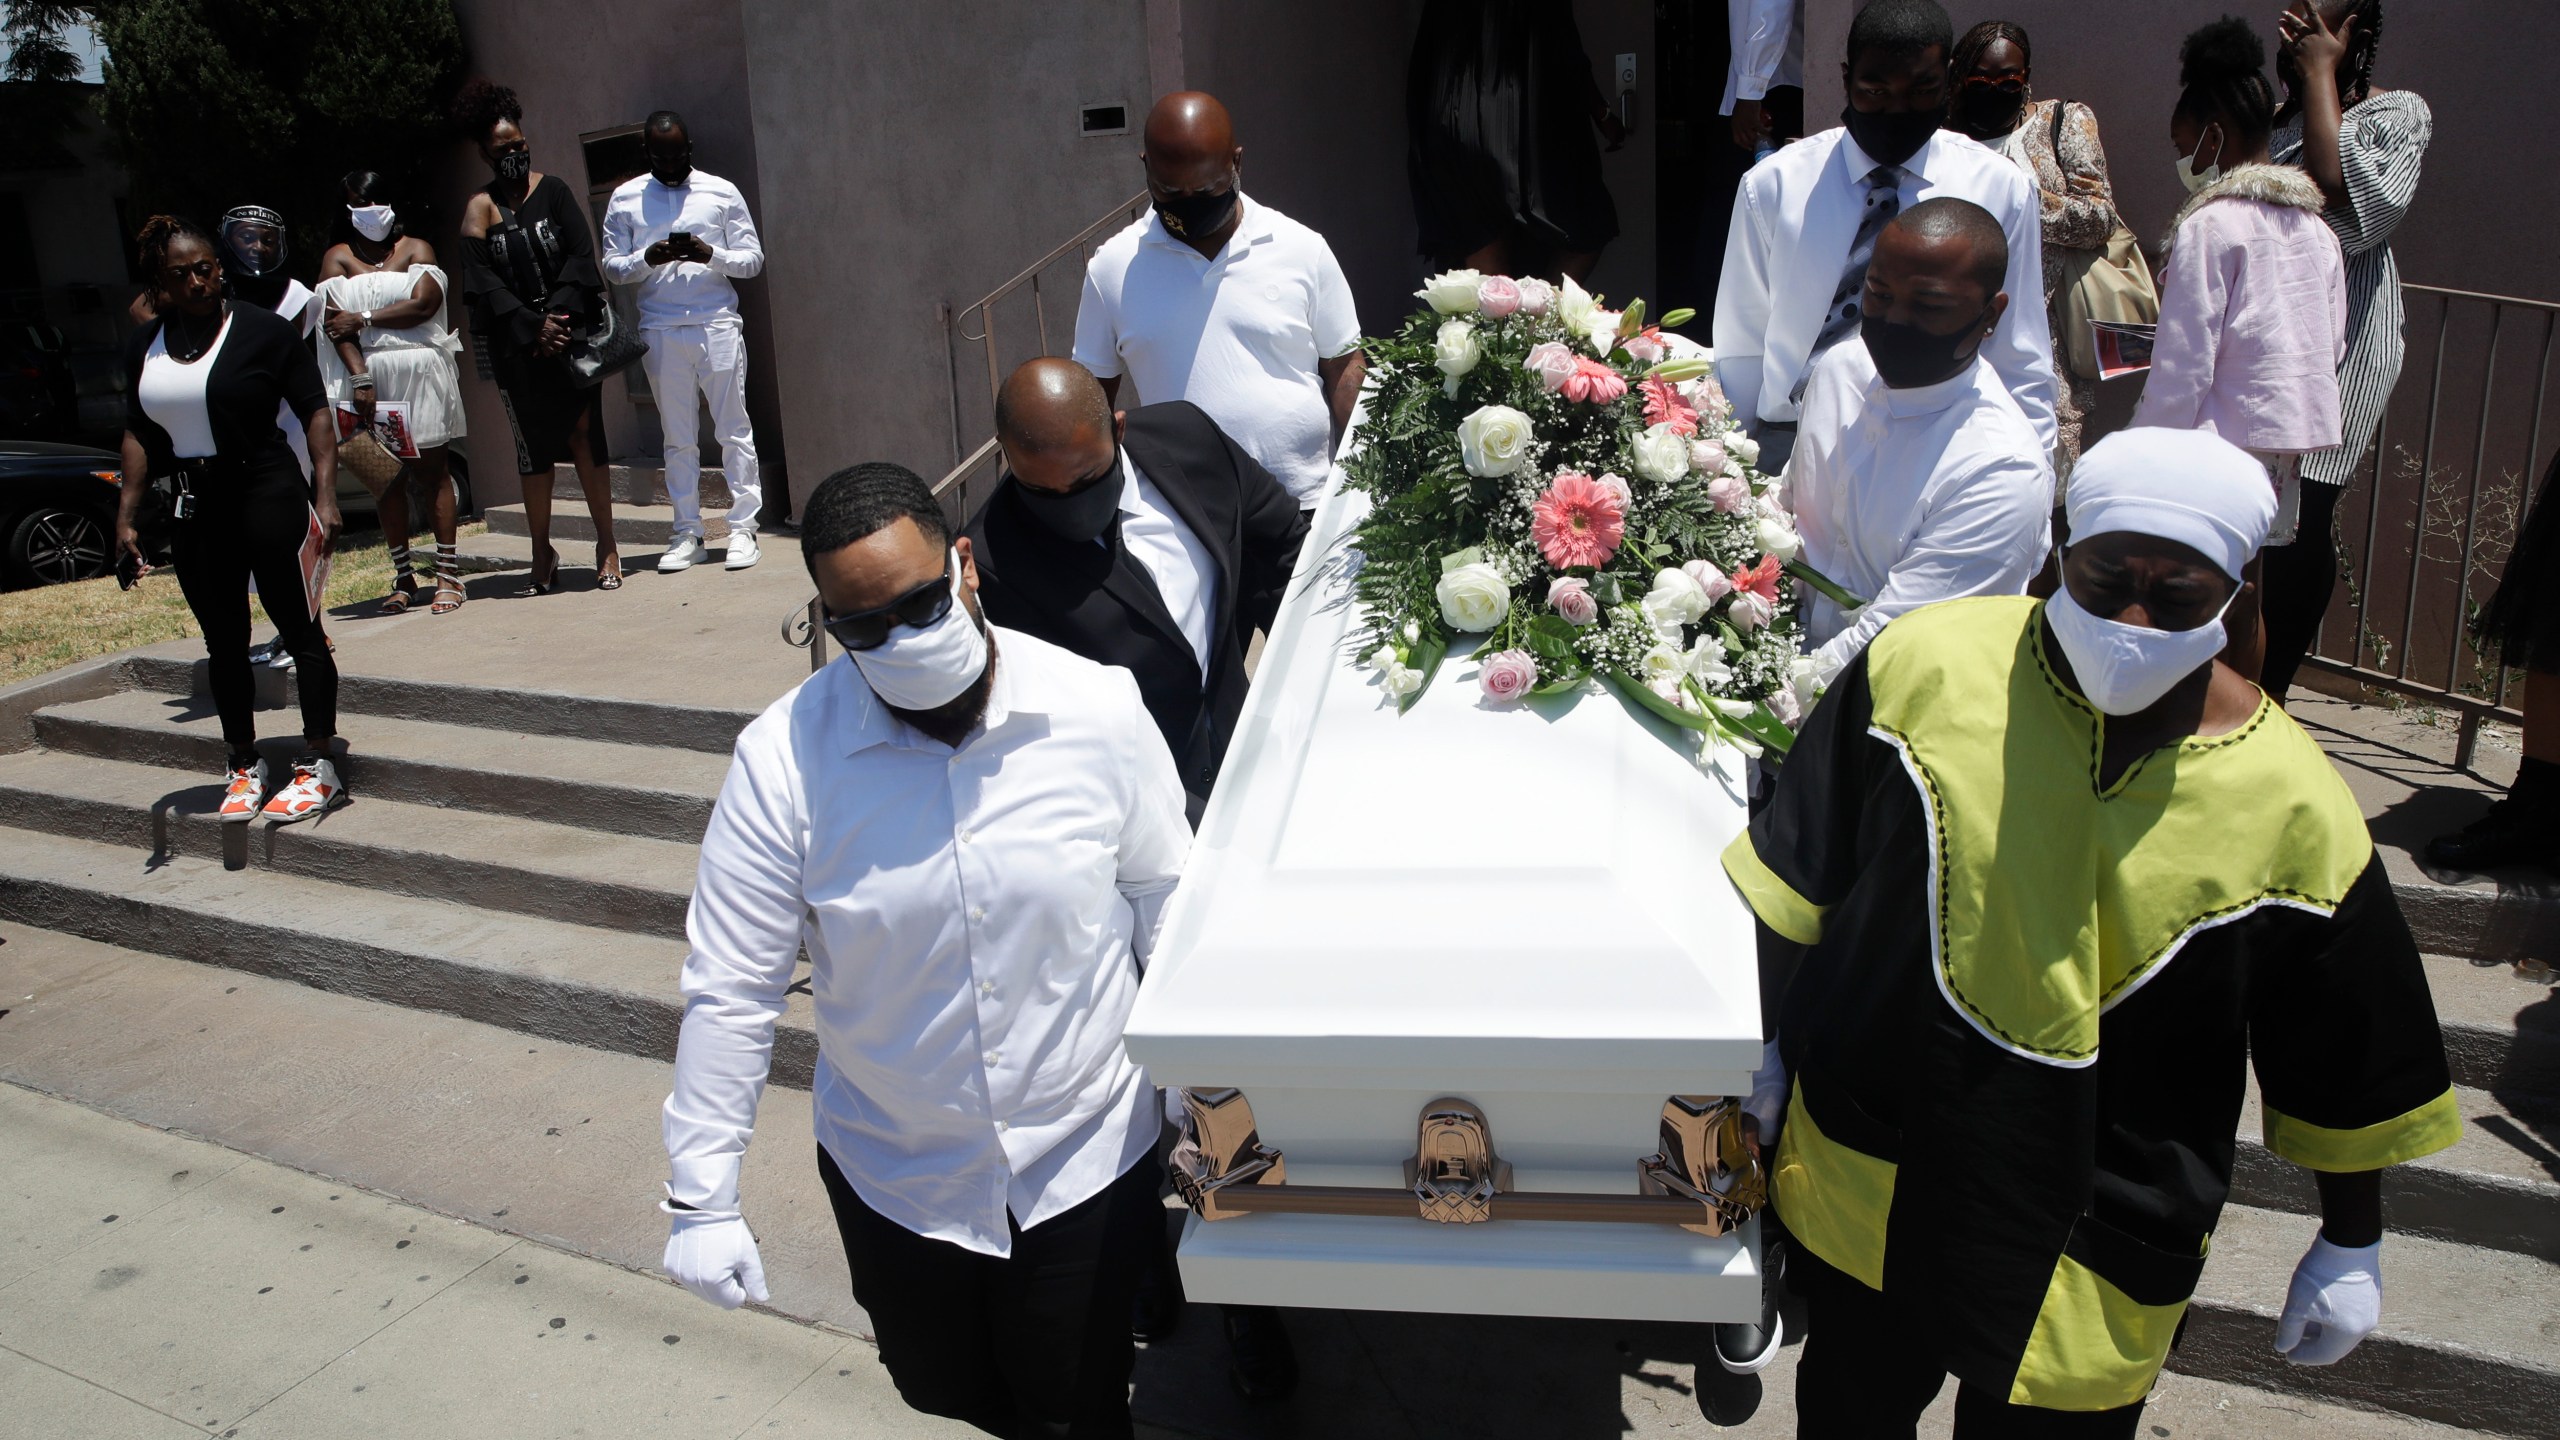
(529,271)
(203,383)
(2056,143)
(384,338)
(2364,148)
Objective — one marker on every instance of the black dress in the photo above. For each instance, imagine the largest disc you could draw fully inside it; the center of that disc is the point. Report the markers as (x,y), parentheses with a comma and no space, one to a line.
(1499,97)
(2521,623)
(540,259)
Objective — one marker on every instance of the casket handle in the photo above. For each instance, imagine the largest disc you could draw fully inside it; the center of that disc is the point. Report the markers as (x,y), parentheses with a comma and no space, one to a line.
(1454,1173)
(1705,1159)
(1220,1149)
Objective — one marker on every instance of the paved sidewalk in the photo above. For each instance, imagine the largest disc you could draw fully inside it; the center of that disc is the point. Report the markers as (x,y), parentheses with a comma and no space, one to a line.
(154,1286)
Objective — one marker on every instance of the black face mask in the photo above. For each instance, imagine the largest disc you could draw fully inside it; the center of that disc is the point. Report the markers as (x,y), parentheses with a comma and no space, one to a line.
(1991,110)
(1907,357)
(1191,216)
(1892,139)
(1079,516)
(514,166)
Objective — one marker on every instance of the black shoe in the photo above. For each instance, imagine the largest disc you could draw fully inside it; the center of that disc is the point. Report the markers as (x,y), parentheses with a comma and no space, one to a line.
(2507,835)
(1727,1400)
(1266,1364)
(1156,1312)
(1745,1347)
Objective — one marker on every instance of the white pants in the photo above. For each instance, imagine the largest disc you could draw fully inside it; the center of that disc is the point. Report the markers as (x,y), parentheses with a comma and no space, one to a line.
(709,359)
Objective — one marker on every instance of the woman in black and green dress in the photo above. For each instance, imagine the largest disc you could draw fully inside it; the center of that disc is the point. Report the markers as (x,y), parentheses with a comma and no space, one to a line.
(529,272)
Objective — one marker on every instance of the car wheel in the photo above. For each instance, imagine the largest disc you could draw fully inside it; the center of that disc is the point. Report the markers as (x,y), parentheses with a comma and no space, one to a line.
(51,545)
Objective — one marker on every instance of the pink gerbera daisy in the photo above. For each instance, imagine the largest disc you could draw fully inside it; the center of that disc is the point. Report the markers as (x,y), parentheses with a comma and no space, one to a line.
(1578,522)
(1760,579)
(1662,404)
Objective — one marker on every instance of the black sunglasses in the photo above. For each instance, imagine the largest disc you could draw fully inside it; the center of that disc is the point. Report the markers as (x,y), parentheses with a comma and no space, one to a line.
(924,605)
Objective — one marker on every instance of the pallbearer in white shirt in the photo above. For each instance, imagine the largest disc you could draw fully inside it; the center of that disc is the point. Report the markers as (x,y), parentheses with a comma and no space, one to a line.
(1806,219)
(1916,477)
(682,234)
(972,832)
(1226,303)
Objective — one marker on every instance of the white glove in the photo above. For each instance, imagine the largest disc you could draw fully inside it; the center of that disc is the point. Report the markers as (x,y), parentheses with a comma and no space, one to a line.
(2336,1301)
(712,1254)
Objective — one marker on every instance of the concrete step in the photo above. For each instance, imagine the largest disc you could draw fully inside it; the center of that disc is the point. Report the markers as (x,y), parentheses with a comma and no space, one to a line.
(2501,1030)
(485,553)
(2467,1334)
(635,527)
(640,482)
(645,790)
(579,985)
(561,1145)
(516,710)
(2498,1187)
(502,862)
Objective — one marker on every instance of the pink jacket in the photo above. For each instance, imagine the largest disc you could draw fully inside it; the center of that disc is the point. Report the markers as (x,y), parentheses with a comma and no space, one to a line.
(2253,316)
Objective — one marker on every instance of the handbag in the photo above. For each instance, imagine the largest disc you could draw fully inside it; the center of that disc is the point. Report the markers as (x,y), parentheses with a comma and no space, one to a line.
(607,347)
(2112,284)
(364,456)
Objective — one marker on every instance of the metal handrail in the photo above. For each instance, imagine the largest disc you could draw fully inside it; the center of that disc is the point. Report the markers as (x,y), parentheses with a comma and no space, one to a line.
(956,331)
(2363,570)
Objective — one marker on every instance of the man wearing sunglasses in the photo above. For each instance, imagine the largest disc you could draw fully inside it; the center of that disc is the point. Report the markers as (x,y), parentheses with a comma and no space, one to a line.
(973,834)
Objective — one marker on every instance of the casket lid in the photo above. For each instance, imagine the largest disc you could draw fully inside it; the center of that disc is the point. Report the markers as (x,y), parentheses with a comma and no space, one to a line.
(1455,896)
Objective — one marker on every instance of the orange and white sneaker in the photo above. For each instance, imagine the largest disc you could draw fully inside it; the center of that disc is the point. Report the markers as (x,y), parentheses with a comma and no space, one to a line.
(315,789)
(246,791)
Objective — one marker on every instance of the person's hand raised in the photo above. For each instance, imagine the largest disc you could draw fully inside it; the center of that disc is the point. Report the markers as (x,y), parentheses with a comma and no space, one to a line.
(2310,40)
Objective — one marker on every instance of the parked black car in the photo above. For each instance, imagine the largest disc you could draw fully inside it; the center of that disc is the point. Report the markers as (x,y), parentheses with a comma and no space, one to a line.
(58,512)
(39,396)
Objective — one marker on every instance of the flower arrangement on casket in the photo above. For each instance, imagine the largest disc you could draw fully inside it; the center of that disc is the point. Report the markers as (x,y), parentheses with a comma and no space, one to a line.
(1545,475)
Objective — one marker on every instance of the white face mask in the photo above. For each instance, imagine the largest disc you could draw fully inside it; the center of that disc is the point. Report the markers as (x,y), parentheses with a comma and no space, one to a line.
(920,669)
(2125,669)
(373,222)
(2193,178)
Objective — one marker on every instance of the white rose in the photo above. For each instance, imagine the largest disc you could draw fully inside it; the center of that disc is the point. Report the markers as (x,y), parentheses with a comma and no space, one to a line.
(1742,447)
(1662,453)
(1473,598)
(1494,440)
(1777,536)
(1675,600)
(1574,306)
(1401,681)
(1451,292)
(1455,350)
(1386,658)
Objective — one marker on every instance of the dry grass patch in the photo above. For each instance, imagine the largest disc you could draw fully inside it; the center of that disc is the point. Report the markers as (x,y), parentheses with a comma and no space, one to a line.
(56,625)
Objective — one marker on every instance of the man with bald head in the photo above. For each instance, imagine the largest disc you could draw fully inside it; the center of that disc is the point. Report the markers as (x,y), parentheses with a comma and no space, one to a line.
(1147,539)
(1917,476)
(1226,303)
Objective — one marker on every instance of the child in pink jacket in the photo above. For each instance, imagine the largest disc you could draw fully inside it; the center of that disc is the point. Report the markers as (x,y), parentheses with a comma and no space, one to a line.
(2253,296)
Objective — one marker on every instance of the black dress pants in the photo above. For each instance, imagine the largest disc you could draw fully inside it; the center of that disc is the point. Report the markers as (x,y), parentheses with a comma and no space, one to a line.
(1865,1374)
(2298,579)
(252,522)
(1029,1347)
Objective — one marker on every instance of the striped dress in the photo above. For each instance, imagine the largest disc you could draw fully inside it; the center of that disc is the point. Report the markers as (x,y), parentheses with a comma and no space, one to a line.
(2381,144)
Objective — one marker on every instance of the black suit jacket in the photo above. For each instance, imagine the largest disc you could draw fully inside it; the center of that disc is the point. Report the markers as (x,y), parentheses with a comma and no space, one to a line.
(1074,596)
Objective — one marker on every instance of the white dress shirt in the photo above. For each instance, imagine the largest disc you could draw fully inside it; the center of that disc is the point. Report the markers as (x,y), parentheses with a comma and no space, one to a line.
(1768,48)
(644,211)
(1793,223)
(1186,574)
(1239,335)
(976,920)
(1910,496)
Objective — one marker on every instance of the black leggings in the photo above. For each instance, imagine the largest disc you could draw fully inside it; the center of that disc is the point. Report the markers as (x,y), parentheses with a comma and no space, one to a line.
(254,524)
(2298,580)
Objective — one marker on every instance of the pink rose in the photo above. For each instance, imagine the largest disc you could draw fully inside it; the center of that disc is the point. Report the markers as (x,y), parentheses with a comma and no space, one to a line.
(1552,363)
(1750,610)
(1784,704)
(1646,346)
(1536,295)
(1706,457)
(1593,383)
(1507,675)
(1571,599)
(1731,494)
(1497,296)
(1709,578)
(1618,486)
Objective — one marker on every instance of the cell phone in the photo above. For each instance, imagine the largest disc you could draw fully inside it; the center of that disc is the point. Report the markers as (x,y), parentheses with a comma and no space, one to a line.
(128,570)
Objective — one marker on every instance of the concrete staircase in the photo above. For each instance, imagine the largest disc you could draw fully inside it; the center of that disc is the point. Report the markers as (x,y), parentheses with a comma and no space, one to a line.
(643,517)
(517,864)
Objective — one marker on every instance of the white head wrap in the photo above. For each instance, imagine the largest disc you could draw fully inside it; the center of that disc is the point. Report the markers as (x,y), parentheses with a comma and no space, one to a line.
(2184,485)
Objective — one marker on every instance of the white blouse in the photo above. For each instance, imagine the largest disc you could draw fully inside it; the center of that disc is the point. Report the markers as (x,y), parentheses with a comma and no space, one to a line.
(172,393)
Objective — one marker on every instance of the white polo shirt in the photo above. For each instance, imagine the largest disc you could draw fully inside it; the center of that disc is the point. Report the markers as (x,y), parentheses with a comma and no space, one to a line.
(1239,335)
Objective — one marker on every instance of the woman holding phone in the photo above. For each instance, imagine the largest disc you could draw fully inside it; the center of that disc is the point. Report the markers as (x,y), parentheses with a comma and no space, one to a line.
(203,382)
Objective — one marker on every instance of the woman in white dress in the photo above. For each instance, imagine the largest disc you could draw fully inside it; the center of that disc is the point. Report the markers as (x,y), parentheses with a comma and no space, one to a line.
(384,338)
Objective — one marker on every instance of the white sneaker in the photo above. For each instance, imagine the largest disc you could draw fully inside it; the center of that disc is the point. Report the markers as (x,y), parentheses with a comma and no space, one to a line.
(315,789)
(687,552)
(742,549)
(245,789)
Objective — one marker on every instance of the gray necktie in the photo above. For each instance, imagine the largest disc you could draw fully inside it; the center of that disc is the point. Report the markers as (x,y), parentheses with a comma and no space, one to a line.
(1884,201)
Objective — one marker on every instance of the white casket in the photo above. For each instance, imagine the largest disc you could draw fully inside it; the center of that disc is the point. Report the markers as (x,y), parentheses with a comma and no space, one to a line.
(1522,910)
